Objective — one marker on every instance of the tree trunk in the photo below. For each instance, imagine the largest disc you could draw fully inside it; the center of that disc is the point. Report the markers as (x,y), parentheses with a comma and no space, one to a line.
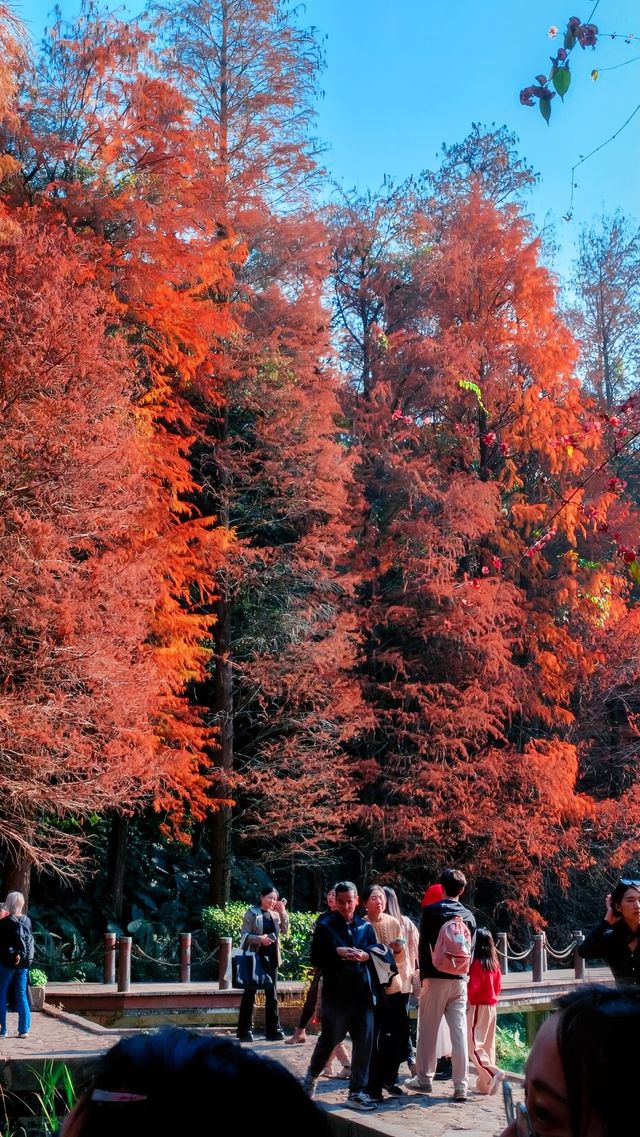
(219,824)
(116,864)
(17,873)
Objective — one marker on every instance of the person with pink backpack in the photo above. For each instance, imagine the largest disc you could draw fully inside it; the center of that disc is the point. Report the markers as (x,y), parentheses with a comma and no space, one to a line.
(447,932)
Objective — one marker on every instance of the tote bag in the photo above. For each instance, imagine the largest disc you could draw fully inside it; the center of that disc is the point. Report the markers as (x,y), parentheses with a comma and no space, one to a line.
(248,970)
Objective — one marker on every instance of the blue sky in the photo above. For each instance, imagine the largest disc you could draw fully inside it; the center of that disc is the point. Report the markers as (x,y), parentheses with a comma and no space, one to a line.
(404,76)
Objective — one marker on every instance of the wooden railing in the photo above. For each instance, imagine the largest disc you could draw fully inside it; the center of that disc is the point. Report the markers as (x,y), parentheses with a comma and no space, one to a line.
(540,950)
(118,954)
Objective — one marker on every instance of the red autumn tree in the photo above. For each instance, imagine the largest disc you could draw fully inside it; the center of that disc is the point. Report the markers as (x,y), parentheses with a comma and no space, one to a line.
(280,692)
(480,607)
(81,687)
(113,147)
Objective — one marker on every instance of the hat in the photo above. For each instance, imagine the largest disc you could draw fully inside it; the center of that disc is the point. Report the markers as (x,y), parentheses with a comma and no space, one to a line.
(433,894)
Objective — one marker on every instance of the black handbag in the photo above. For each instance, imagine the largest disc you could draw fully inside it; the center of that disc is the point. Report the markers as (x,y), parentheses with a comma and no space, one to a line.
(248,970)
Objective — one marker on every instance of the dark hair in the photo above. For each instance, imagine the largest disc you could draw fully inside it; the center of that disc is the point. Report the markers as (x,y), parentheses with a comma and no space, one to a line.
(621,887)
(266,891)
(598,1031)
(345,886)
(485,950)
(453,881)
(168,1082)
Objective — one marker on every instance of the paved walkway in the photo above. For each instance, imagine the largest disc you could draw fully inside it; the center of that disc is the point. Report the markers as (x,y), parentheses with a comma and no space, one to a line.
(429,1115)
(56,1034)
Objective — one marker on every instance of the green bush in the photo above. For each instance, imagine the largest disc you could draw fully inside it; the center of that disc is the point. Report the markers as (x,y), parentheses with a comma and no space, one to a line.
(37,977)
(227,921)
(511,1049)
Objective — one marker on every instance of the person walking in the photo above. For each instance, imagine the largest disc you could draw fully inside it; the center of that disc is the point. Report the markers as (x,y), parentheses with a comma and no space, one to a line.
(341,947)
(432,894)
(262,927)
(443,992)
(16,957)
(407,966)
(485,984)
(312,1001)
(392,1021)
(616,939)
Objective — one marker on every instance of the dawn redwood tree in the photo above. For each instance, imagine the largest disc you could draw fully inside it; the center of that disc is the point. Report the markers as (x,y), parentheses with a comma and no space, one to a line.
(81,688)
(13,43)
(291,639)
(605,287)
(277,473)
(470,431)
(113,147)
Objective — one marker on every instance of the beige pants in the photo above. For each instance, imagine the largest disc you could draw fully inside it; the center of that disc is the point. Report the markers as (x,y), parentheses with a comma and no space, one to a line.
(481,1028)
(443,998)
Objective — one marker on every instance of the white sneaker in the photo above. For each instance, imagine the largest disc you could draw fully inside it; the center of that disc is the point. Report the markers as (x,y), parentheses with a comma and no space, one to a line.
(419,1085)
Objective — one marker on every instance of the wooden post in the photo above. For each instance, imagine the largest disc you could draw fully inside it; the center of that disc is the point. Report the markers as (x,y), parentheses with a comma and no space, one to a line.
(578,962)
(224,963)
(124,963)
(502,952)
(109,960)
(538,957)
(185,957)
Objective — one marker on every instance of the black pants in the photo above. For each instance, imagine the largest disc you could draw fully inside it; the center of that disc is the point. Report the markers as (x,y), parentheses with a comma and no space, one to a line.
(340,1018)
(271,1010)
(390,1046)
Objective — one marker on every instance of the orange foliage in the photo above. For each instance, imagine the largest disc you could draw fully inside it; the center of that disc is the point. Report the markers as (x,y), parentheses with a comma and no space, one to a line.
(483,601)
(80,686)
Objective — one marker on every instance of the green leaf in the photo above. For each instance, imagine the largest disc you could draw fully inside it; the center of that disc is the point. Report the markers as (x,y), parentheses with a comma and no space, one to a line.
(545,109)
(467,385)
(569,39)
(562,81)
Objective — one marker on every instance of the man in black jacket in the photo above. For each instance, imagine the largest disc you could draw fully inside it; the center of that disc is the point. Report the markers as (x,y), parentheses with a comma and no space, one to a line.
(341,948)
(442,993)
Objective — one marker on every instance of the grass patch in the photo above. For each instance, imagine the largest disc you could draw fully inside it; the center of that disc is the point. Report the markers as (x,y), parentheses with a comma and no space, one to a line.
(511,1043)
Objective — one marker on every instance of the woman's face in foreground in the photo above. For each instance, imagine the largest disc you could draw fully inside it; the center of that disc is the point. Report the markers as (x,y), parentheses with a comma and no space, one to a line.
(545,1087)
(546,1090)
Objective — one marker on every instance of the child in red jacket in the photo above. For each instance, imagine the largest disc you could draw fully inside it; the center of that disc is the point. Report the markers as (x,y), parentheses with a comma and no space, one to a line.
(485,982)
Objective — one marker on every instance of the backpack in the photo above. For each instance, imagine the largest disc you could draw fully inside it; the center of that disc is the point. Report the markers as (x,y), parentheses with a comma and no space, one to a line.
(452,951)
(18,950)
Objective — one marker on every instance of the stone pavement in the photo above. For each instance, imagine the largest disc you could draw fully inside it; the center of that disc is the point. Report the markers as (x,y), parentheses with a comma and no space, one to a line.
(57,1034)
(429,1115)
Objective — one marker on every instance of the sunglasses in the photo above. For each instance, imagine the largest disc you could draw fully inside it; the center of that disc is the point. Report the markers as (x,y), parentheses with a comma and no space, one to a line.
(627,883)
(517,1112)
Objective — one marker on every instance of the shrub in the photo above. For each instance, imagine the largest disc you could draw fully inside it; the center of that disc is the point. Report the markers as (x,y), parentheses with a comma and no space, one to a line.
(37,977)
(511,1049)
